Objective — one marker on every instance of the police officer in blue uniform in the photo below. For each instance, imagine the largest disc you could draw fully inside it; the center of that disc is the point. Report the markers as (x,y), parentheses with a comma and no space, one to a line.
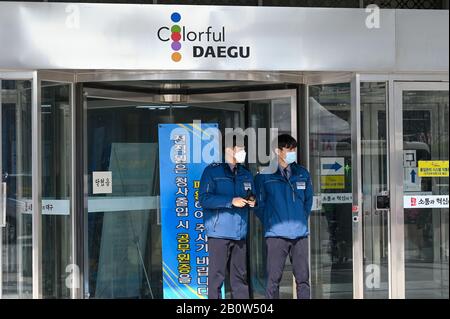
(225,195)
(285,200)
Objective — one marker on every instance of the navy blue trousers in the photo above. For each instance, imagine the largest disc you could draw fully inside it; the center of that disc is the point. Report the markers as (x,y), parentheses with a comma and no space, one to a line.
(221,253)
(277,250)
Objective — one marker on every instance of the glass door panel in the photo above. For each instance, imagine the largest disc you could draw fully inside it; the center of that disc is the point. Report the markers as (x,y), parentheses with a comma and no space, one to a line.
(425,112)
(374,173)
(15,191)
(58,271)
(330,155)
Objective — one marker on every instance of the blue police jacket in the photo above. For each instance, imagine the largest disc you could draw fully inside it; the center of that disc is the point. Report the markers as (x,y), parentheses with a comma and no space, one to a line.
(283,205)
(218,187)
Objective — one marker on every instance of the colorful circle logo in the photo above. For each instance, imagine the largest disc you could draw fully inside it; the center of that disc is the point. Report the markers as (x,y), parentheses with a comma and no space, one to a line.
(176,56)
(176,37)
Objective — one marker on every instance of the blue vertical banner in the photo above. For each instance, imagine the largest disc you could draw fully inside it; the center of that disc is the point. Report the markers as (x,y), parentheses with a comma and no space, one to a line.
(184,152)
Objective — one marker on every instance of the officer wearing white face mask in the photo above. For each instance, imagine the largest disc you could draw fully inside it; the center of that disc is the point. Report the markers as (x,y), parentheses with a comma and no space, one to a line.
(284,204)
(226,193)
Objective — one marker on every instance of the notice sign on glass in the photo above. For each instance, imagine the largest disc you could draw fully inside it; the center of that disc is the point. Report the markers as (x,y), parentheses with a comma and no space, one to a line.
(425,201)
(184,152)
(433,168)
(102,182)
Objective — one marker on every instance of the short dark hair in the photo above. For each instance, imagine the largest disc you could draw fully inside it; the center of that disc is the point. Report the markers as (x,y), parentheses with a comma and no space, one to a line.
(236,139)
(284,140)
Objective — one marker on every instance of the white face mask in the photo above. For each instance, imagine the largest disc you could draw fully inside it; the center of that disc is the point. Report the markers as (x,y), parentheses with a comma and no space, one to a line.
(240,156)
(291,157)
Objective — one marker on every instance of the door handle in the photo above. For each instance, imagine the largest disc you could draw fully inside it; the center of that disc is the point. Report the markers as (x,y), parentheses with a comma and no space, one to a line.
(383,202)
(3,205)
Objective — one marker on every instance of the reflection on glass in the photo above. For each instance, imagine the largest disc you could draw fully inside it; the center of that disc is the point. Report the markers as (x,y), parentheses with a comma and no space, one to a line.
(331,226)
(15,236)
(374,182)
(56,189)
(425,132)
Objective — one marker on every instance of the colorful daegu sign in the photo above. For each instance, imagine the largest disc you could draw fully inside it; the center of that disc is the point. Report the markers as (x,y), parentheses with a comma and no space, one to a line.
(184,246)
(433,168)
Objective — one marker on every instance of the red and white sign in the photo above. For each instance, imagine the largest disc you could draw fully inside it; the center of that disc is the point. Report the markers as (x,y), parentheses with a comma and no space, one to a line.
(425,201)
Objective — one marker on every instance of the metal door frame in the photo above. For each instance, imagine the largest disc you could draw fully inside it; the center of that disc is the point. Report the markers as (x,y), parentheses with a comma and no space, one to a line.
(31,76)
(395,251)
(354,80)
(369,200)
(252,95)
(397,229)
(396,83)
(79,199)
(419,81)
(396,264)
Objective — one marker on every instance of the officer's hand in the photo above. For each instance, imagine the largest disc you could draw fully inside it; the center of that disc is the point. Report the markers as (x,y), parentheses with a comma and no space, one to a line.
(251,203)
(239,202)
